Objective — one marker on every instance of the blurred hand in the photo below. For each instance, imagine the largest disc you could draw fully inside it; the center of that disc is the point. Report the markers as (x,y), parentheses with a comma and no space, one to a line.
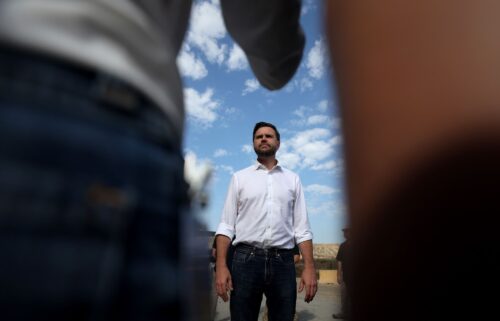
(223,282)
(309,282)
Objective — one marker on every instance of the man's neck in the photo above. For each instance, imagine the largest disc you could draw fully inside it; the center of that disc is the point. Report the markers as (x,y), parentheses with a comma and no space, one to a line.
(268,162)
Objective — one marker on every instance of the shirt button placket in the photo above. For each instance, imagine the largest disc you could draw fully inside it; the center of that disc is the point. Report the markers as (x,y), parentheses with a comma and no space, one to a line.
(269,202)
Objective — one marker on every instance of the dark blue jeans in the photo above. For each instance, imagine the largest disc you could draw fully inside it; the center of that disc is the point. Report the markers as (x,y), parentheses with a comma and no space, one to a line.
(91,191)
(256,272)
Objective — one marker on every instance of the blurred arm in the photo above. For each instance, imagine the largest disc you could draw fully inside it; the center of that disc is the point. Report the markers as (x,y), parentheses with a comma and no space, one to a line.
(270,34)
(222,274)
(308,279)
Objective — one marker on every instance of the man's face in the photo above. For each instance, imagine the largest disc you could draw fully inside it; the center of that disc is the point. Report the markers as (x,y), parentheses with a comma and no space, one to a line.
(265,142)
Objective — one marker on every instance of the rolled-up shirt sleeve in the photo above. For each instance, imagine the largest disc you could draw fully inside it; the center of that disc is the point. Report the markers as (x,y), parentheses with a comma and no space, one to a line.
(302,229)
(228,219)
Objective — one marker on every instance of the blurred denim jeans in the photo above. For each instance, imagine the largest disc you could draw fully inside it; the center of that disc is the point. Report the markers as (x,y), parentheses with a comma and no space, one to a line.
(256,272)
(91,192)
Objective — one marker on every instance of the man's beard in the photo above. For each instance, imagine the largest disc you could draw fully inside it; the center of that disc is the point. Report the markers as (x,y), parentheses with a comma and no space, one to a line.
(271,151)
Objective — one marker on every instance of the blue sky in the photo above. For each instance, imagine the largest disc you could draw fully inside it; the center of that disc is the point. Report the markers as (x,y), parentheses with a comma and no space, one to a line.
(224,101)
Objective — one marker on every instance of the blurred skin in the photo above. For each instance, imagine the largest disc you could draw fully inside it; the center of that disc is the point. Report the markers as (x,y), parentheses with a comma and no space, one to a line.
(419,90)
(308,279)
(223,281)
(412,77)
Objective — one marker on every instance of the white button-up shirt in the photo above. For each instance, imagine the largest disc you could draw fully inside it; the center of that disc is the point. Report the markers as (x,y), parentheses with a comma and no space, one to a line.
(265,208)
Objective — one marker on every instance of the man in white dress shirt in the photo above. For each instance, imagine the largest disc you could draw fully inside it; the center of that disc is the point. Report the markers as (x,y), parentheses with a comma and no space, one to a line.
(266,210)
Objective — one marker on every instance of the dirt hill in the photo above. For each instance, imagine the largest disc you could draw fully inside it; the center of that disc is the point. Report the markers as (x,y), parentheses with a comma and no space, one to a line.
(325,251)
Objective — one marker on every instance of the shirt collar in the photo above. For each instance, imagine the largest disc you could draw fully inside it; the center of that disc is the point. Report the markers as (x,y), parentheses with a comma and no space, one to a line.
(258,166)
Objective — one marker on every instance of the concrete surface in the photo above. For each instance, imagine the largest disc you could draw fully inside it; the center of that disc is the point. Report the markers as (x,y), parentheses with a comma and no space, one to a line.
(326,302)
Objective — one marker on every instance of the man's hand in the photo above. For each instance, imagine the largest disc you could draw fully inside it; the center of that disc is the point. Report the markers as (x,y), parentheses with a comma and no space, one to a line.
(309,282)
(223,282)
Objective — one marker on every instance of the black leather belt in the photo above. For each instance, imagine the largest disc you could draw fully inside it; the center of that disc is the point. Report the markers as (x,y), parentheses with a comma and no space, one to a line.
(260,251)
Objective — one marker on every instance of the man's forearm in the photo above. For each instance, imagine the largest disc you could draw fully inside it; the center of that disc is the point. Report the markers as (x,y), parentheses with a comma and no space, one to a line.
(306,248)
(222,244)
(308,280)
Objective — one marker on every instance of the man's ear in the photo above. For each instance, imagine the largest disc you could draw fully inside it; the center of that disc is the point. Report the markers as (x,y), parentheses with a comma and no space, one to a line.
(278,146)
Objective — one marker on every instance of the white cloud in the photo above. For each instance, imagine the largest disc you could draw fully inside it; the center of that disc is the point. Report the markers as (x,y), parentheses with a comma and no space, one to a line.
(329,208)
(197,172)
(298,122)
(225,168)
(237,59)
(323,105)
(231,110)
(190,66)
(289,160)
(311,135)
(301,111)
(201,107)
(308,117)
(307,6)
(206,30)
(336,140)
(327,166)
(305,84)
(316,59)
(336,123)
(312,149)
(220,152)
(247,149)
(315,151)
(319,189)
(251,85)
(317,119)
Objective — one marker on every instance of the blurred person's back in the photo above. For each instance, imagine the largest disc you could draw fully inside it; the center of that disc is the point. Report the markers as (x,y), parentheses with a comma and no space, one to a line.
(92,193)
(128,39)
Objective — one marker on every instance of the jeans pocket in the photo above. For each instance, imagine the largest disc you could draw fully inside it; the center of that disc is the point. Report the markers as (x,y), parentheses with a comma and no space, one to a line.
(61,240)
(285,259)
(242,256)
